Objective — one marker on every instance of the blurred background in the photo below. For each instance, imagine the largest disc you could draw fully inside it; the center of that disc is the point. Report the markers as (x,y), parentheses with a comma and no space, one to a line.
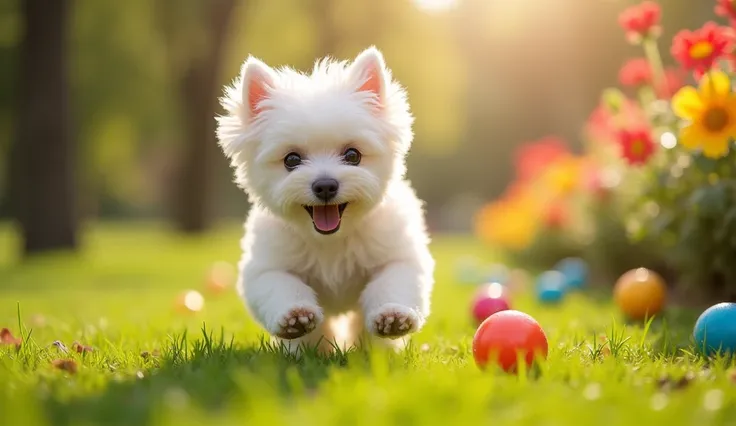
(107,107)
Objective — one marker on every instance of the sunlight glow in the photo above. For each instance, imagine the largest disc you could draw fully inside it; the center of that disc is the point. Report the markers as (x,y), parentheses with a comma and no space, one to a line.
(435,6)
(668,140)
(340,326)
(493,290)
(194,301)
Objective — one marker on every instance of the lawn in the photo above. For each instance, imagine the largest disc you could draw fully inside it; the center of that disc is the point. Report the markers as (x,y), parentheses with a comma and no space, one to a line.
(118,297)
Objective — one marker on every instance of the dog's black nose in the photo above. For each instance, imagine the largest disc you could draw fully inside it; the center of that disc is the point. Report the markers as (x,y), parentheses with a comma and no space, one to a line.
(325,189)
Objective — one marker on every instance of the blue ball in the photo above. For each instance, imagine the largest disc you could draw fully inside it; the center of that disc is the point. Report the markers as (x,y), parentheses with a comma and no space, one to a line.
(549,294)
(550,286)
(575,271)
(715,329)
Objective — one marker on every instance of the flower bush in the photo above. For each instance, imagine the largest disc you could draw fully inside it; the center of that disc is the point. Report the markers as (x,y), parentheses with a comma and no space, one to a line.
(656,184)
(542,214)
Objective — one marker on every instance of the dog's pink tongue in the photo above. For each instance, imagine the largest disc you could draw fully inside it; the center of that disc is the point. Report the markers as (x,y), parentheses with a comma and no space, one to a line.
(326,218)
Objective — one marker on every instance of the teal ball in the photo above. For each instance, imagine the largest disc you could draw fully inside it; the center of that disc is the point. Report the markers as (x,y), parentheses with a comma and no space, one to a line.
(715,329)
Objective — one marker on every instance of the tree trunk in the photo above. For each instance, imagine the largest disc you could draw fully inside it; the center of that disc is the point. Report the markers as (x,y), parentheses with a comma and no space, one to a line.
(199,91)
(43,154)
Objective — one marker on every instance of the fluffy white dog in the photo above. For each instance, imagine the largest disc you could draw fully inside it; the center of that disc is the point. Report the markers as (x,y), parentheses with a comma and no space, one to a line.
(334,228)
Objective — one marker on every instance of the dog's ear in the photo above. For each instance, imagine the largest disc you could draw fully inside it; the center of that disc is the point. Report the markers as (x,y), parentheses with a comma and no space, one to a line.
(257,80)
(369,70)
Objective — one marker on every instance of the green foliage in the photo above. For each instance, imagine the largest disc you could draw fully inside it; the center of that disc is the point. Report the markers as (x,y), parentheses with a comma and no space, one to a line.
(548,248)
(611,252)
(688,203)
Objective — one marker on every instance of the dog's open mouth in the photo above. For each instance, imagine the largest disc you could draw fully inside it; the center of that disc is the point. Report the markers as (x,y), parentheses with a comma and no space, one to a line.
(326,218)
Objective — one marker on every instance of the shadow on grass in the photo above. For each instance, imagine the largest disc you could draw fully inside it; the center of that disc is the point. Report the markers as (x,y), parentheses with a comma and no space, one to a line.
(206,374)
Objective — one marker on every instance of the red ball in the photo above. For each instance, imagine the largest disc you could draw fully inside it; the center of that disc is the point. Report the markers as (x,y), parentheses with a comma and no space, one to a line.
(484,307)
(504,334)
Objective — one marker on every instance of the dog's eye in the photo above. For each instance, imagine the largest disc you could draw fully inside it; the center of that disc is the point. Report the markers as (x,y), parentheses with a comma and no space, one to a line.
(292,161)
(352,156)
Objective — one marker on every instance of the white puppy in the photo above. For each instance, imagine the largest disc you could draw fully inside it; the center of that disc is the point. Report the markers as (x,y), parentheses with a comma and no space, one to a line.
(334,228)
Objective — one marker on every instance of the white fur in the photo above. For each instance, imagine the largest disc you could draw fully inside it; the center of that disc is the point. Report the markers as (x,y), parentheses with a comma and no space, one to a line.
(377,266)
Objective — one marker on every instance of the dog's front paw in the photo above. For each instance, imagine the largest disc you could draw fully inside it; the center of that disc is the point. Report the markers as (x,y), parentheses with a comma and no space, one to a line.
(298,322)
(393,321)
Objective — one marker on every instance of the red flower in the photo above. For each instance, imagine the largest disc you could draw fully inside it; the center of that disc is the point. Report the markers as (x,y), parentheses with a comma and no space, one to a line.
(726,8)
(596,187)
(698,50)
(593,182)
(636,145)
(603,124)
(635,72)
(556,215)
(673,81)
(641,21)
(532,158)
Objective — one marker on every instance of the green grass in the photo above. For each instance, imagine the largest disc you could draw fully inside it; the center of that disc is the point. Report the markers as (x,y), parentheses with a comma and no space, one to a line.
(215,366)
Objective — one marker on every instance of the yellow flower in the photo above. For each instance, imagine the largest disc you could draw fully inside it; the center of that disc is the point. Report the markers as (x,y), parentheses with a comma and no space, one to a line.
(509,222)
(562,176)
(710,112)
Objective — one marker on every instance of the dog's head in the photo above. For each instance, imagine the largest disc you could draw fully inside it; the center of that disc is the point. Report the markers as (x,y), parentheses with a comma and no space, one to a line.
(318,150)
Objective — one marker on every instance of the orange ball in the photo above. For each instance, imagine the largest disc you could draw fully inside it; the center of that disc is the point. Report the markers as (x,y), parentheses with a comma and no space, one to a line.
(220,276)
(640,293)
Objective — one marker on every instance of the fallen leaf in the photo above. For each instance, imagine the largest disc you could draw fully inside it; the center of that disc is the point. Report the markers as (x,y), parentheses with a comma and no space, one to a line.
(7,338)
(732,376)
(80,348)
(155,353)
(685,380)
(605,346)
(670,383)
(61,346)
(65,364)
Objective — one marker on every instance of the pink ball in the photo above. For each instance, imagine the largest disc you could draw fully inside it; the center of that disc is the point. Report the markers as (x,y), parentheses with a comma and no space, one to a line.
(485,306)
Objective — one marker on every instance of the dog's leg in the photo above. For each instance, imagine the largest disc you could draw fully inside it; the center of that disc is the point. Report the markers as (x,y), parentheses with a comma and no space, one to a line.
(396,300)
(285,306)
(319,339)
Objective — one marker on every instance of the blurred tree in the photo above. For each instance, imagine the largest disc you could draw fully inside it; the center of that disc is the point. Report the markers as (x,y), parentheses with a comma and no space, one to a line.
(123,107)
(325,28)
(42,179)
(195,31)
